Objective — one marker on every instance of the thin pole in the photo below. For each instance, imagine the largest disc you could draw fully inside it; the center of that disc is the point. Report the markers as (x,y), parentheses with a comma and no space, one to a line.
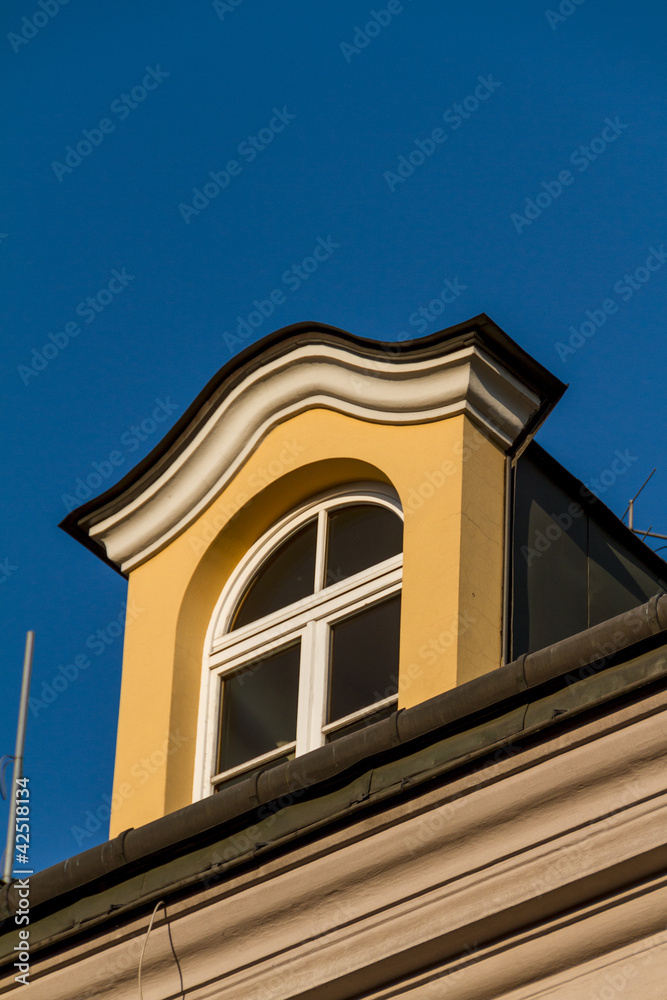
(18,754)
(629,507)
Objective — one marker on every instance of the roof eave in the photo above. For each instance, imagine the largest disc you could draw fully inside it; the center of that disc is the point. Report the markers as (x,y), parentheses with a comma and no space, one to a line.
(479,332)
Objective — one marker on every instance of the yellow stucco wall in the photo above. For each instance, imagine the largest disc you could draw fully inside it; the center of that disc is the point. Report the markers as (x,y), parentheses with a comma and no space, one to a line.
(450,479)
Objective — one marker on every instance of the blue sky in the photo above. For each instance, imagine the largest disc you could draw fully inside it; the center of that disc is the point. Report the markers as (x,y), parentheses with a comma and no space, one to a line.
(126,280)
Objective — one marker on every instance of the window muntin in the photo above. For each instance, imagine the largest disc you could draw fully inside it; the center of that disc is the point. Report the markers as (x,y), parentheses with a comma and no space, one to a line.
(347,540)
(354,577)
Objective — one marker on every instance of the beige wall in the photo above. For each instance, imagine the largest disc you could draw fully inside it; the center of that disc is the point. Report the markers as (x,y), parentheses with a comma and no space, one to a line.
(450,479)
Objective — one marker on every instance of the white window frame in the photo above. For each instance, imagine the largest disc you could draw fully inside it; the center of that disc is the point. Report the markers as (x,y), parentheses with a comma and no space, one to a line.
(308,621)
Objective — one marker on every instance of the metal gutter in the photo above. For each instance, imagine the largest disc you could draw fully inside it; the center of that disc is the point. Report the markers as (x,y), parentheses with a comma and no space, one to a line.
(410,747)
(471,750)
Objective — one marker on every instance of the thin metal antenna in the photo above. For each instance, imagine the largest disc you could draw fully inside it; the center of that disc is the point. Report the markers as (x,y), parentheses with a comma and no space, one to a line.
(630,505)
(631,525)
(18,754)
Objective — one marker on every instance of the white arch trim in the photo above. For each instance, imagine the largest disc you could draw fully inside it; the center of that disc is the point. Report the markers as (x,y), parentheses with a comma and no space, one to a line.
(152,512)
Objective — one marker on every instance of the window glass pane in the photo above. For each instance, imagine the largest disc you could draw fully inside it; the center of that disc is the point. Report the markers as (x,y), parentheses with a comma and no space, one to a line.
(367,720)
(287,576)
(364,659)
(259,708)
(359,537)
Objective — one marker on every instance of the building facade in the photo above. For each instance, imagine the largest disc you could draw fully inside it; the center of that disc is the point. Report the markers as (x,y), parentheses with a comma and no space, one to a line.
(399,678)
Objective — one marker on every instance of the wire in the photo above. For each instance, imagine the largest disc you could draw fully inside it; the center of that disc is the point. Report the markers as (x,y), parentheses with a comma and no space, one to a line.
(141,960)
(637,494)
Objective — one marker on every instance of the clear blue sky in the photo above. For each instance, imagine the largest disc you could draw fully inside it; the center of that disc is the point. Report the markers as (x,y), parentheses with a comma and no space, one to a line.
(306,121)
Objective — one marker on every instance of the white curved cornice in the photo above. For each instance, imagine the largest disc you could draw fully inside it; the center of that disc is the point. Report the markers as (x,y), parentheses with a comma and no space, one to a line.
(218,440)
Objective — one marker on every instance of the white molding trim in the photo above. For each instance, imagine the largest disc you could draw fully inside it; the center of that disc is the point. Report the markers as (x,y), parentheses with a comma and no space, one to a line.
(230,427)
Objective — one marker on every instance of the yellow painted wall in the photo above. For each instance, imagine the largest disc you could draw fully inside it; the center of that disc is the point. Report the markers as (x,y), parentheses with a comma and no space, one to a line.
(450,479)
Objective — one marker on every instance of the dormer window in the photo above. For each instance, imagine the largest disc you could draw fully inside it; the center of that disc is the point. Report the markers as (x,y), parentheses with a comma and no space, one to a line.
(304,643)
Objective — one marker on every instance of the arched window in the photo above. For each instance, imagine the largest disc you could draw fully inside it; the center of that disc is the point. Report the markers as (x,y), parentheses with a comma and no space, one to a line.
(303,645)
